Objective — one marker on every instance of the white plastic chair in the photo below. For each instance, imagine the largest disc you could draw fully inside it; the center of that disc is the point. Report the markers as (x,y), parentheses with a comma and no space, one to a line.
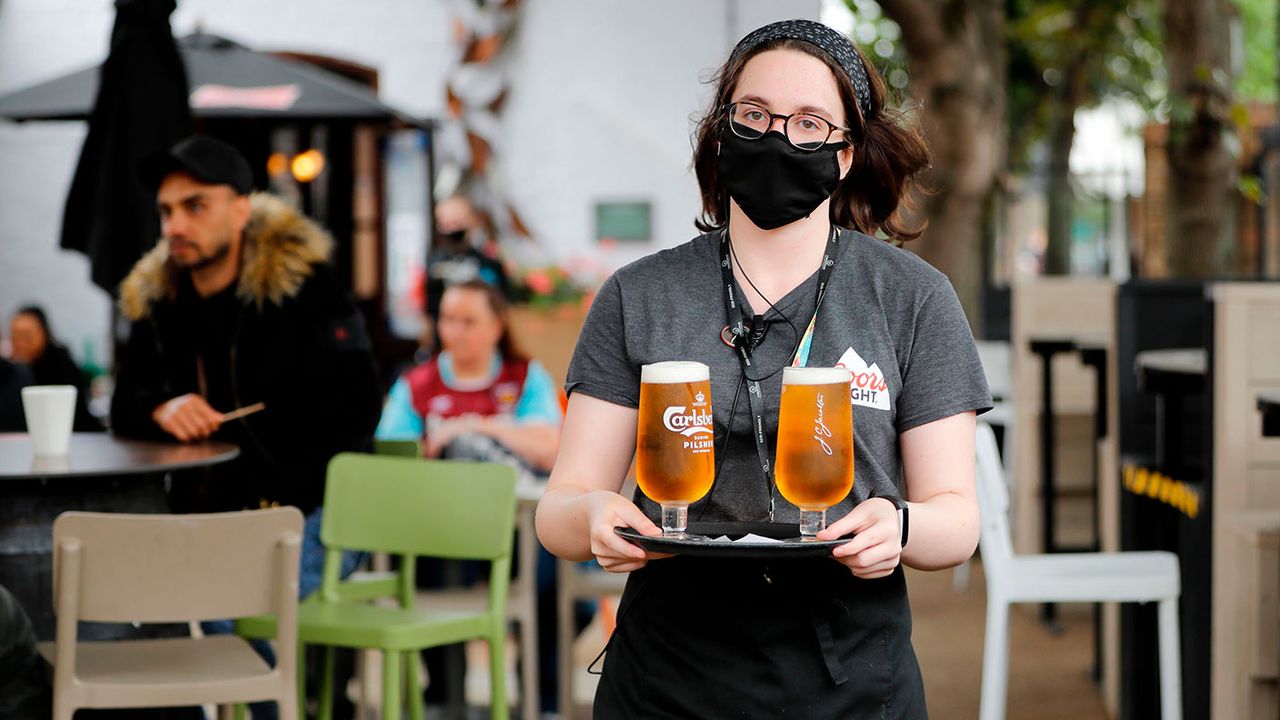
(997,365)
(1075,577)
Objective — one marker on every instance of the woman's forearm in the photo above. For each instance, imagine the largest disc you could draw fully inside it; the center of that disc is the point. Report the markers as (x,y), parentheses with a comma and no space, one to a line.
(942,532)
(937,466)
(562,523)
(581,506)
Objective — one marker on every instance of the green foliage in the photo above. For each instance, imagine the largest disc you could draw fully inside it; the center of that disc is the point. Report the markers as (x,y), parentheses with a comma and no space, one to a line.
(1063,51)
(1258,78)
(547,286)
(877,36)
(1250,186)
(1107,48)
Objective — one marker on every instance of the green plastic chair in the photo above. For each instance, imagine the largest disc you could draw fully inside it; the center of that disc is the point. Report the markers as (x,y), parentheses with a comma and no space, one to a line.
(409,508)
(398,448)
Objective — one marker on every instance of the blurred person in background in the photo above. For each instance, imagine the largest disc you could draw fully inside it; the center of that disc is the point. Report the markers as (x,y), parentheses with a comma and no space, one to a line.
(25,691)
(481,398)
(456,257)
(50,362)
(239,306)
(13,377)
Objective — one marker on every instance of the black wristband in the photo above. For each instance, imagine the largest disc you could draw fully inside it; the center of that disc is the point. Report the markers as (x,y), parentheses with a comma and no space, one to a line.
(904,513)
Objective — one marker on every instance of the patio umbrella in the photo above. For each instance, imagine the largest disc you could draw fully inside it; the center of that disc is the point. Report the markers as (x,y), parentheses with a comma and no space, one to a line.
(140,107)
(228,80)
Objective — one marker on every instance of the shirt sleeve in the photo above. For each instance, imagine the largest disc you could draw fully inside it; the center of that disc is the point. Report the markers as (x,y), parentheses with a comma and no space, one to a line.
(539,402)
(399,420)
(141,385)
(943,375)
(601,366)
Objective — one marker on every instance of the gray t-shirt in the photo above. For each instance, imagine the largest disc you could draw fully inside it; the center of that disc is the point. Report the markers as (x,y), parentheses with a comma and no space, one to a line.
(888,316)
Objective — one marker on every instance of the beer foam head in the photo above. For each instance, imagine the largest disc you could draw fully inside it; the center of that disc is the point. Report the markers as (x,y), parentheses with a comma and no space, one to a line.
(674,371)
(816,376)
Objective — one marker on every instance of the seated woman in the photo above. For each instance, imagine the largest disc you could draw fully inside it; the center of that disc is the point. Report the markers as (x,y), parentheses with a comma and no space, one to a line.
(49,360)
(13,377)
(480,398)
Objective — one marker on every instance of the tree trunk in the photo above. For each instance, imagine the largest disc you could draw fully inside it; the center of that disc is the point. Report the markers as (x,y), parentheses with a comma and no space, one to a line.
(1061,198)
(1202,181)
(1062,136)
(955,52)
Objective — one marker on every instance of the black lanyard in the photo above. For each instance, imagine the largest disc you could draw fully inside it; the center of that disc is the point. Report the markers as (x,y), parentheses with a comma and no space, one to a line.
(743,342)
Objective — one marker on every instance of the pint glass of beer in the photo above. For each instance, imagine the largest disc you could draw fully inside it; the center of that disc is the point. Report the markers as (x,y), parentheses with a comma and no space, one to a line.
(675,455)
(815,443)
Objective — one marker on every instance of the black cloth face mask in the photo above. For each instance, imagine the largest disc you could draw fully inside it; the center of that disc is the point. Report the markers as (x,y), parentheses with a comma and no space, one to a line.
(775,183)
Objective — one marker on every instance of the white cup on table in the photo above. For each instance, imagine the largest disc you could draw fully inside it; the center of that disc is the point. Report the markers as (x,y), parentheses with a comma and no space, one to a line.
(50,412)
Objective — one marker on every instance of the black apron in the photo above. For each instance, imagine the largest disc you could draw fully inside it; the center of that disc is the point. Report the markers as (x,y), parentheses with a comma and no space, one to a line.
(716,638)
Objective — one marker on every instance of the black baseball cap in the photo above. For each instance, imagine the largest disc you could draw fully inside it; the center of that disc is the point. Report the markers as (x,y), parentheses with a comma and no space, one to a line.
(207,160)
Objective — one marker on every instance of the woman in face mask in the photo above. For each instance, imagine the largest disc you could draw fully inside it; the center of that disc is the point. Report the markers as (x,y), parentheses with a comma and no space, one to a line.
(803,170)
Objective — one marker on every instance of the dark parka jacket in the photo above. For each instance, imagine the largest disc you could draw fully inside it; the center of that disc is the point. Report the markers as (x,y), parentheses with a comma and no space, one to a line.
(299,346)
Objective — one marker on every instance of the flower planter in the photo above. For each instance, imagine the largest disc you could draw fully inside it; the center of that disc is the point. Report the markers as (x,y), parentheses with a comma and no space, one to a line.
(549,333)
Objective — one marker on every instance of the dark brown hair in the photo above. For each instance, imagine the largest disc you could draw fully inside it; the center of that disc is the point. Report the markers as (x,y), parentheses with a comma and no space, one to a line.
(507,345)
(888,150)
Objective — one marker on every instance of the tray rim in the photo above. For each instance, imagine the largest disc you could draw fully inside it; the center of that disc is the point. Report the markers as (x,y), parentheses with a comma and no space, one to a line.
(676,546)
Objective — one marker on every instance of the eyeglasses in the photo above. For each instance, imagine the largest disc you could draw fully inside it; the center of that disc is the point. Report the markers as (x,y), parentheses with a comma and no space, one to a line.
(803,130)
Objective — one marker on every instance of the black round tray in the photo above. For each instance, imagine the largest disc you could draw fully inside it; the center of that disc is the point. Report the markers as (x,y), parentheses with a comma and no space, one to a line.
(790,547)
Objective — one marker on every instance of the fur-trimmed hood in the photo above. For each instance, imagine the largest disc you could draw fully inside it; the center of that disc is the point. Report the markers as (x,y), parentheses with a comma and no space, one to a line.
(280,247)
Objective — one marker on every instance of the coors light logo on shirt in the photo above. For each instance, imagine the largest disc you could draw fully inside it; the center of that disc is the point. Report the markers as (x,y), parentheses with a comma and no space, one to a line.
(869,388)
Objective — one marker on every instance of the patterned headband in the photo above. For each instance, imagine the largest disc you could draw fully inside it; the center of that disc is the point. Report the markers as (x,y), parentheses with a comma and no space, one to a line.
(835,45)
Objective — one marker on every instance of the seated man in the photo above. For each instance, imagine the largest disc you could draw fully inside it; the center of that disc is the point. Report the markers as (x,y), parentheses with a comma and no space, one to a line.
(238,307)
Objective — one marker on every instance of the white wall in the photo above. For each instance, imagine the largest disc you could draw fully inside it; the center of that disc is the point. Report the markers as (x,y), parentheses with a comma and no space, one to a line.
(604,110)
(39,41)
(603,93)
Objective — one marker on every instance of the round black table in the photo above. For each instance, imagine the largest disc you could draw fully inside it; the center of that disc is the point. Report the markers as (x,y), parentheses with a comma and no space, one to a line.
(100,473)
(100,454)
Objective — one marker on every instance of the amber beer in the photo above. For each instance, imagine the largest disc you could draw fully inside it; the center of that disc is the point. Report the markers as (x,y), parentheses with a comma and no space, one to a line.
(675,456)
(815,442)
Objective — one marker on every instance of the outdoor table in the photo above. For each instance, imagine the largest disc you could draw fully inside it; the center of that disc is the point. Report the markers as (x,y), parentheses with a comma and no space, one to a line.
(1093,351)
(100,473)
(1269,406)
(1177,379)
(1046,348)
(1170,375)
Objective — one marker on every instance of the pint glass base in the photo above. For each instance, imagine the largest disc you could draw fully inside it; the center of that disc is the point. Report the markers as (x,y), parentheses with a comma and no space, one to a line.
(675,521)
(811,521)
